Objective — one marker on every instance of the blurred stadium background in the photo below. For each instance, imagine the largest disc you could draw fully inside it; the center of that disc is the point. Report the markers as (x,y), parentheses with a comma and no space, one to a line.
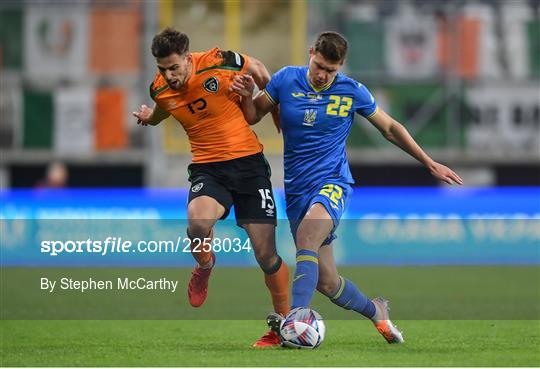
(463,76)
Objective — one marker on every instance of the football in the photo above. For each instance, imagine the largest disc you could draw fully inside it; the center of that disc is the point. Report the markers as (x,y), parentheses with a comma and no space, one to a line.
(302,328)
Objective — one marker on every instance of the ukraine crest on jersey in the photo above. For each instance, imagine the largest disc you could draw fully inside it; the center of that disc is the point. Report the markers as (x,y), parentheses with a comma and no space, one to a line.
(315,126)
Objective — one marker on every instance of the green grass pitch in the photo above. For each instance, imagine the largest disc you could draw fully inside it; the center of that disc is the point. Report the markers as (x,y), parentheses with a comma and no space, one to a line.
(451,316)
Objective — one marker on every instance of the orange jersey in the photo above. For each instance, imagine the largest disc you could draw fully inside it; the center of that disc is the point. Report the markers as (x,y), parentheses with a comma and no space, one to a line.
(210,114)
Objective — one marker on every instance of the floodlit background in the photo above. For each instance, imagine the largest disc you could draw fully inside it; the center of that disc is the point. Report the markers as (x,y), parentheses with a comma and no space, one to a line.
(463,76)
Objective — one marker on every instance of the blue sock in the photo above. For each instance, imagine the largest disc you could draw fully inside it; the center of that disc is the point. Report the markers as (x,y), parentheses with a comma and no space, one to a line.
(350,297)
(305,278)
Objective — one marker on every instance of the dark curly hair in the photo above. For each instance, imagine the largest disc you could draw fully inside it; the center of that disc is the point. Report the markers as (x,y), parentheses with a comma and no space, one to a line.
(169,41)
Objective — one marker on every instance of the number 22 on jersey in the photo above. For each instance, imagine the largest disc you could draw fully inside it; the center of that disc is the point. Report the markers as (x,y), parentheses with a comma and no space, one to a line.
(339,105)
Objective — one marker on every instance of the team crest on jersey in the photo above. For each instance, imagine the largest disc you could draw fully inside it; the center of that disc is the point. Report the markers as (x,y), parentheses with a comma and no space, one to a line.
(197,187)
(211,85)
(309,117)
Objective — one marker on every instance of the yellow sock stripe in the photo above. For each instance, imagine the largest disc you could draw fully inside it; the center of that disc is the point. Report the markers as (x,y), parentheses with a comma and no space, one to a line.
(313,259)
(341,288)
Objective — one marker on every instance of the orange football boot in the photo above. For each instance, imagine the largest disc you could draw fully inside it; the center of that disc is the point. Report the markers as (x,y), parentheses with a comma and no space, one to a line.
(383,323)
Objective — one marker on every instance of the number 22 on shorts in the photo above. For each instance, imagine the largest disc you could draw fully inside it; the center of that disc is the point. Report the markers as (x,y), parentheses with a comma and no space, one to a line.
(334,193)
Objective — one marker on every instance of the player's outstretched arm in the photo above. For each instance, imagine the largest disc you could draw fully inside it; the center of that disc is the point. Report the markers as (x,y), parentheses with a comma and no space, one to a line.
(396,133)
(150,116)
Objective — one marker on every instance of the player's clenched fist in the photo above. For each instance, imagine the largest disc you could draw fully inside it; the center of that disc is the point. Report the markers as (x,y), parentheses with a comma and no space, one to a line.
(243,85)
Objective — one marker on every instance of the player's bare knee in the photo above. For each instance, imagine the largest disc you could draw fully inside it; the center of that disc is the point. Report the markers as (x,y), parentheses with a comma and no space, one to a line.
(327,287)
(197,212)
(199,228)
(305,240)
(266,258)
(205,208)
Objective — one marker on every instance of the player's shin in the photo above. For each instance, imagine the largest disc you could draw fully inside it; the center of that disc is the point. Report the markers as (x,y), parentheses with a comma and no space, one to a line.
(201,249)
(277,281)
(198,283)
(305,278)
(349,297)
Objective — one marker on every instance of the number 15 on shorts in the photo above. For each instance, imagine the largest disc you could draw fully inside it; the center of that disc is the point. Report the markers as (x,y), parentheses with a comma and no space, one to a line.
(267,201)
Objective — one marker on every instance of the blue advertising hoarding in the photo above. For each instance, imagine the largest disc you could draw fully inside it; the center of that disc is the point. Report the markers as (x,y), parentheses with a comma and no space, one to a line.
(392,226)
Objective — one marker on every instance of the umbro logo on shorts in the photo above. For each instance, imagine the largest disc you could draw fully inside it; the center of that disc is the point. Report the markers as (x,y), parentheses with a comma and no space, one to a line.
(211,84)
(197,187)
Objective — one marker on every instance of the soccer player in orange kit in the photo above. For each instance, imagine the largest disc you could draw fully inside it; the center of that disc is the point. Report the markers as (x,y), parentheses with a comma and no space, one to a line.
(228,165)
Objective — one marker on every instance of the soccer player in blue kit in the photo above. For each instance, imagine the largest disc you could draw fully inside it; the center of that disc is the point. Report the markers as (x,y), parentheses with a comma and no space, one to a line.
(317,105)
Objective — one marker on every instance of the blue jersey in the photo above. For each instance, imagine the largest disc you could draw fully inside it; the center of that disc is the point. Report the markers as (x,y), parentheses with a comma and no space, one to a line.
(316,124)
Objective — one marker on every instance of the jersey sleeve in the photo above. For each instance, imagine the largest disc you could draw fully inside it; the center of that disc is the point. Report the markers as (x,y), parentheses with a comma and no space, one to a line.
(273,87)
(235,61)
(157,86)
(364,102)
